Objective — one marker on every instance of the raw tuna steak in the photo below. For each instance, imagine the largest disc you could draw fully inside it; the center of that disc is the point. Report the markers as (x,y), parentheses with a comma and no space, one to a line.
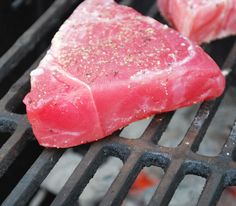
(109,66)
(201,20)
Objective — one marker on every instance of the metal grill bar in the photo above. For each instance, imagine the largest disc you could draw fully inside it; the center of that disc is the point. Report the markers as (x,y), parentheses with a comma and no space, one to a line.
(200,124)
(29,184)
(123,182)
(168,184)
(80,177)
(212,190)
(12,148)
(229,146)
(157,126)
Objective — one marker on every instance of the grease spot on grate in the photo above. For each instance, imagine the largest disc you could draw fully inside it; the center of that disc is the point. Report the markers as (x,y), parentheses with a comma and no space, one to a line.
(228,197)
(178,126)
(188,191)
(220,127)
(7,128)
(144,186)
(136,129)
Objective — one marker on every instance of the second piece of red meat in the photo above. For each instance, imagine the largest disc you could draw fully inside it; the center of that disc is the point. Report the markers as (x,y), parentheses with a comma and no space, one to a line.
(201,20)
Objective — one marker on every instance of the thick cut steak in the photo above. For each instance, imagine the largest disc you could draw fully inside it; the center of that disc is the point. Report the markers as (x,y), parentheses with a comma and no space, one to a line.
(109,66)
(201,20)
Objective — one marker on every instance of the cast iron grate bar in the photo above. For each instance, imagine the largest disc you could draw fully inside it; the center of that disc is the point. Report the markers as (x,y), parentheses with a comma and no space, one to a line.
(31,181)
(84,171)
(229,146)
(168,184)
(17,142)
(80,177)
(156,127)
(12,148)
(212,190)
(124,180)
(220,171)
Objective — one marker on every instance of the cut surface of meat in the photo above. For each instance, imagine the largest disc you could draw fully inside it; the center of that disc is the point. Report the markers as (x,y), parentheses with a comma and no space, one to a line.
(201,20)
(109,66)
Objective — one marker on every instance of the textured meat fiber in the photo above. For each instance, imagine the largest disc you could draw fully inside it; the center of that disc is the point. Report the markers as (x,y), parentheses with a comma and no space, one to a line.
(201,20)
(109,66)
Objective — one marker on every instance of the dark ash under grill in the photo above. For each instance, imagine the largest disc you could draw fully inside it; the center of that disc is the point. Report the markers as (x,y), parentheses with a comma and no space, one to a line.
(24,164)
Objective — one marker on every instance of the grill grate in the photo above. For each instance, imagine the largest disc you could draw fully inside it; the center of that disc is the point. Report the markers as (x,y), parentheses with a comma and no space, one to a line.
(219,171)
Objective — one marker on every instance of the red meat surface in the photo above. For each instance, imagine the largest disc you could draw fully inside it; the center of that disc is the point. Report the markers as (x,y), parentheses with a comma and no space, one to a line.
(109,66)
(201,20)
